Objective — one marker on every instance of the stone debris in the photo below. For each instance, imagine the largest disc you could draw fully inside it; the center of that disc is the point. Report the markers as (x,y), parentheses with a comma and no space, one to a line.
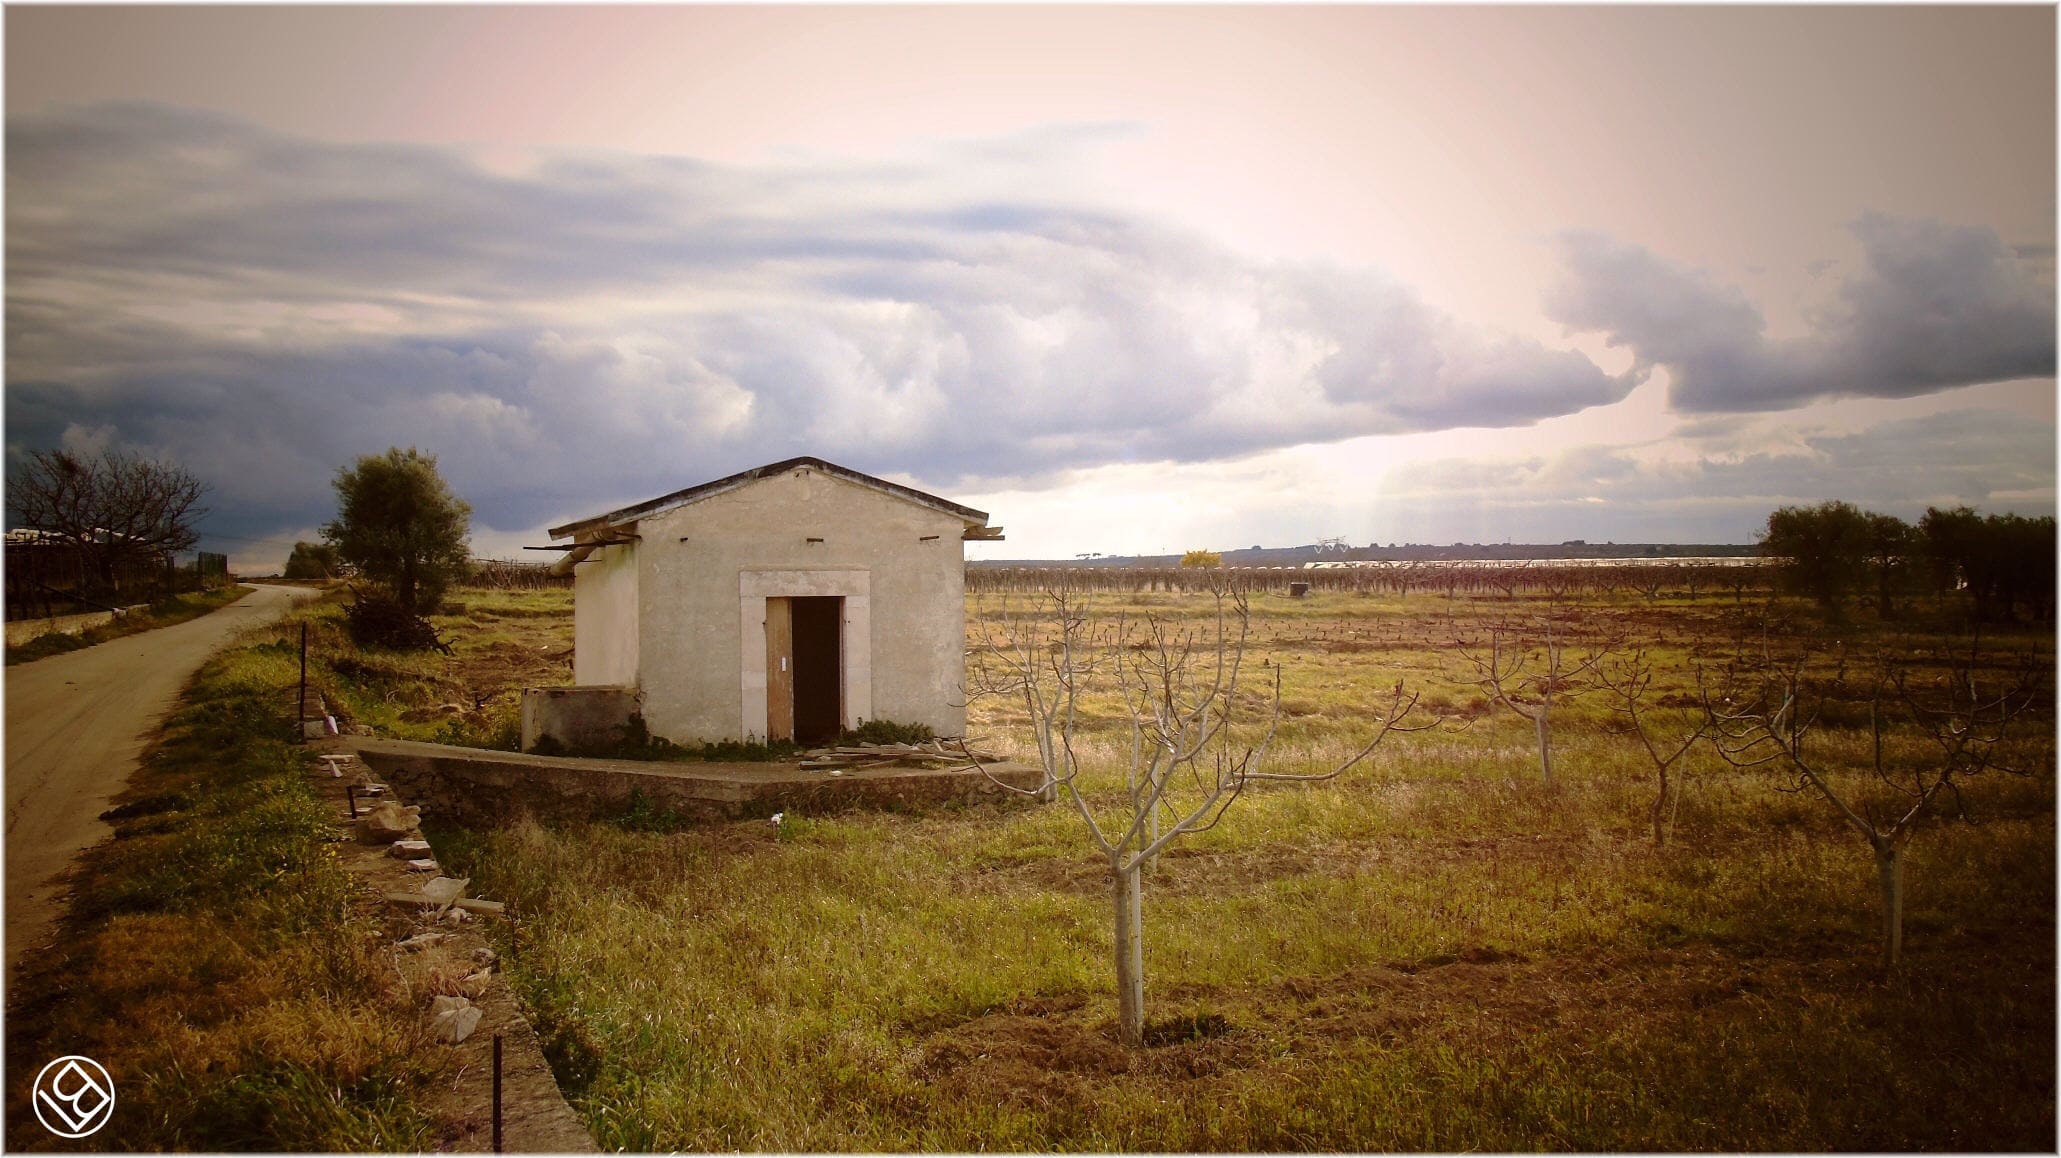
(425,865)
(929,754)
(421,941)
(468,904)
(485,956)
(455,1018)
(409,849)
(387,822)
(444,890)
(457,916)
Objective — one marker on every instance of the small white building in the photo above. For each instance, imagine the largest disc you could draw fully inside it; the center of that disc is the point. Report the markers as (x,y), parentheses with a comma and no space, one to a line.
(785,602)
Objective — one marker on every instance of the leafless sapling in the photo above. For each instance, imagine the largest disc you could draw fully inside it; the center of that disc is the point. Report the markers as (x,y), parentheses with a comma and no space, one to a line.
(1628,678)
(1528,680)
(1967,729)
(1194,738)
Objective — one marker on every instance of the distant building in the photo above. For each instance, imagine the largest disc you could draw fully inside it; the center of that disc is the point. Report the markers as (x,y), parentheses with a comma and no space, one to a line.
(785,602)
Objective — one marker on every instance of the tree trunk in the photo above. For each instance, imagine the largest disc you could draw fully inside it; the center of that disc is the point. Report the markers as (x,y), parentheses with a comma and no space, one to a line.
(1659,807)
(1545,746)
(1889,870)
(1130,955)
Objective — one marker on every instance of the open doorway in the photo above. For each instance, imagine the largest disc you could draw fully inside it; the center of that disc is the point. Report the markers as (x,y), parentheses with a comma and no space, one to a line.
(805,668)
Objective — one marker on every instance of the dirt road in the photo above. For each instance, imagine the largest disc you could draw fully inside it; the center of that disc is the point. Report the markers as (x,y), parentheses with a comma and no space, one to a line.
(76,724)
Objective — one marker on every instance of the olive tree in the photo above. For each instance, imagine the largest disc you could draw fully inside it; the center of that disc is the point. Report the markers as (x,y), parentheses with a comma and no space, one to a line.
(1825,551)
(400,525)
(2000,560)
(1193,737)
(312,561)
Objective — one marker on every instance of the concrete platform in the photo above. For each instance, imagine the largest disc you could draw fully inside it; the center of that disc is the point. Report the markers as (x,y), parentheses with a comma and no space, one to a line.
(476,787)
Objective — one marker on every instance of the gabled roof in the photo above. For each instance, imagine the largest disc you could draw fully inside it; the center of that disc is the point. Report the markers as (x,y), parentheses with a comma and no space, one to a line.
(598,526)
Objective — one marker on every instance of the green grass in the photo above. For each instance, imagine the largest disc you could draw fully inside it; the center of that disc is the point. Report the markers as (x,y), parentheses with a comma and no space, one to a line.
(162,613)
(1434,953)
(217,957)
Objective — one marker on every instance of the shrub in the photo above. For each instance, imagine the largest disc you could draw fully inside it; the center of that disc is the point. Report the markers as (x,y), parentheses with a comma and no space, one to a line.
(379,620)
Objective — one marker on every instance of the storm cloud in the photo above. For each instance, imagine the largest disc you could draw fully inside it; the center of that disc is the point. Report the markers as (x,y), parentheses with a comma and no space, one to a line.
(595,328)
(1932,307)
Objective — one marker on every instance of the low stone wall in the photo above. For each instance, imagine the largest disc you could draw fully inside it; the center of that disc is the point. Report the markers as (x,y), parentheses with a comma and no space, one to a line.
(477,788)
(20,631)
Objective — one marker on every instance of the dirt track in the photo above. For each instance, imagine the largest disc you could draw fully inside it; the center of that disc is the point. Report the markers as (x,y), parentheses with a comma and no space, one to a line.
(76,724)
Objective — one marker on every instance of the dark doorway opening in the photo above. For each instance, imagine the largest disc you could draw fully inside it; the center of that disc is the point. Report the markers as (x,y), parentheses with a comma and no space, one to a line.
(818,667)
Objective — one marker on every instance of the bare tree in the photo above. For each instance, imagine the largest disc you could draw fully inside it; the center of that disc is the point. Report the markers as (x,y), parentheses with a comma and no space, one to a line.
(1196,737)
(1967,726)
(121,512)
(1629,679)
(1527,680)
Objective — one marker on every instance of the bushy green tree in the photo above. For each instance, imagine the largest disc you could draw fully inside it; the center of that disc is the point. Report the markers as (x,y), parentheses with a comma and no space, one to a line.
(313,561)
(2001,560)
(1824,550)
(1892,546)
(400,525)
(1202,558)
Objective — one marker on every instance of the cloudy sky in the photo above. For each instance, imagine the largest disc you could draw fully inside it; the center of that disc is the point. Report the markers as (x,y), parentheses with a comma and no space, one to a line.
(1132,279)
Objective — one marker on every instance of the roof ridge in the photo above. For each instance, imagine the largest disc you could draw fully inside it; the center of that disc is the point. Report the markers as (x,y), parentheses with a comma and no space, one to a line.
(687,495)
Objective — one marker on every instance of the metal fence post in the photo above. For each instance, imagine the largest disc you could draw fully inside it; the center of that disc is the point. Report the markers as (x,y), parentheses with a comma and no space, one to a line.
(497,1093)
(300,723)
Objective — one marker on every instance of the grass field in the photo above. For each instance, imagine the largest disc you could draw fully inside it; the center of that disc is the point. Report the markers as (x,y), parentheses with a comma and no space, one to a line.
(1436,952)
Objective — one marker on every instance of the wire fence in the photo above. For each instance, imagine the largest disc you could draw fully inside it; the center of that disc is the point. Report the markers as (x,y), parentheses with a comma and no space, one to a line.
(1736,577)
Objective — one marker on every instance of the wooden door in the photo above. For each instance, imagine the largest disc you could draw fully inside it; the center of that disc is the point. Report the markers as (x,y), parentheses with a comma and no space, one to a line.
(779,670)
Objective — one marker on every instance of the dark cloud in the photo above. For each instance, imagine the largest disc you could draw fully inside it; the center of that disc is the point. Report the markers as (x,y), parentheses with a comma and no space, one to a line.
(1933,307)
(599,328)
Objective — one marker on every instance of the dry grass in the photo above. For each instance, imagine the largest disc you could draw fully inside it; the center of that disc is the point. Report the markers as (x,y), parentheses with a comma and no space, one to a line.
(501,641)
(1436,953)
(217,958)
